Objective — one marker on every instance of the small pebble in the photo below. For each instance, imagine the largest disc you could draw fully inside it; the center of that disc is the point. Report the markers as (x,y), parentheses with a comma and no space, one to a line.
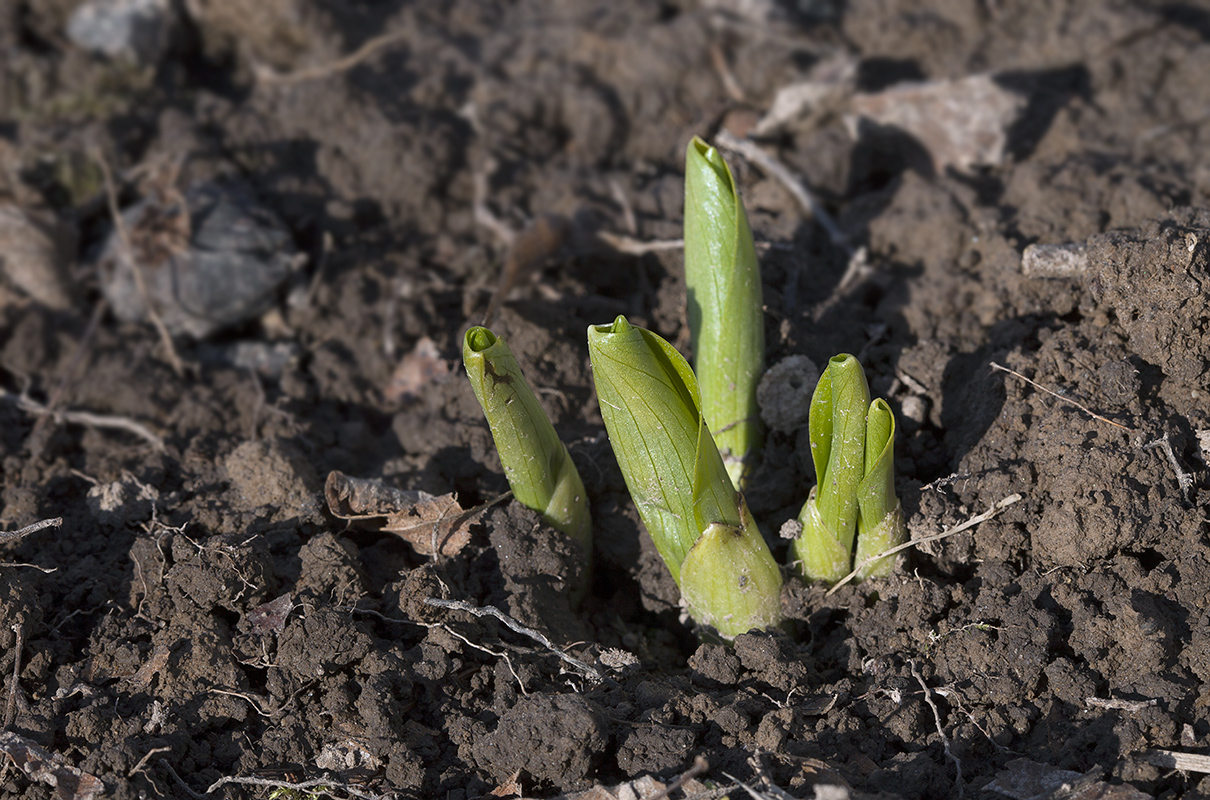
(136,30)
(915,408)
(220,267)
(1054,261)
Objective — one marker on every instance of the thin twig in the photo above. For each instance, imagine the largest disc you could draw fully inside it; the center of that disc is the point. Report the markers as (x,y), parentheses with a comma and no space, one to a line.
(700,767)
(955,700)
(1057,396)
(31,406)
(10,710)
(776,170)
(483,215)
(143,761)
(718,59)
(764,779)
(491,611)
(629,221)
(945,742)
(16,565)
(136,269)
(181,781)
(327,784)
(1183,479)
(970,523)
(636,247)
(268,76)
(42,524)
(755,795)
(490,652)
(530,249)
(1132,706)
(253,700)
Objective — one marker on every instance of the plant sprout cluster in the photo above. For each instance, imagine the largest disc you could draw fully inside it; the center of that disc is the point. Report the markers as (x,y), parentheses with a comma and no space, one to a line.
(684,441)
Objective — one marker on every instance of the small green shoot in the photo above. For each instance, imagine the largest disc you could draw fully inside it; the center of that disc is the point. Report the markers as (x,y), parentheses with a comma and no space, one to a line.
(852,445)
(700,524)
(726,318)
(538,467)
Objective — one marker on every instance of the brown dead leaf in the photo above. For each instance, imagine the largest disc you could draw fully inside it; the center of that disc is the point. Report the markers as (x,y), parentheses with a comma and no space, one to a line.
(270,617)
(429,523)
(47,767)
(154,665)
(1023,779)
(510,787)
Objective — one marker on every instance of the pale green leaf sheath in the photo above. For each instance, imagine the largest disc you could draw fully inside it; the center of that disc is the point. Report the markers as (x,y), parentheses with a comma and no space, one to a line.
(730,580)
(649,401)
(726,324)
(880,523)
(700,525)
(837,432)
(536,462)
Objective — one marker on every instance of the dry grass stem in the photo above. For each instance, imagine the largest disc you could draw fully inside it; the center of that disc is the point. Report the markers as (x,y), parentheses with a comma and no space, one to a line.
(718,59)
(1068,400)
(267,75)
(945,742)
(779,172)
(635,247)
(970,523)
(325,785)
(89,419)
(42,524)
(587,670)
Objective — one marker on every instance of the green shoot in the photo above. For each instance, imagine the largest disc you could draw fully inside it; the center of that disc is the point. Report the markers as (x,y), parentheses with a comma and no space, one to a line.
(700,524)
(726,322)
(852,445)
(538,467)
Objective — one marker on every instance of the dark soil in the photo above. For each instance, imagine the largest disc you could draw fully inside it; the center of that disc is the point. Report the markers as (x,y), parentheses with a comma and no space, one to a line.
(1070,630)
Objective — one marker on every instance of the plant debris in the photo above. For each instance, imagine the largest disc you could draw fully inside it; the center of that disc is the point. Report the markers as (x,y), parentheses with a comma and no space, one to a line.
(431,524)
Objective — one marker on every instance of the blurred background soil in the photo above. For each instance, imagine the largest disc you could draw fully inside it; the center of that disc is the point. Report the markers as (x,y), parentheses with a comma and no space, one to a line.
(240,241)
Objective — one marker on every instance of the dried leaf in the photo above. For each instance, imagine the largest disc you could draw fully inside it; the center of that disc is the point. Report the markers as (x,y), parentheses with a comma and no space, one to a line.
(962,123)
(353,498)
(42,765)
(270,617)
(827,85)
(154,665)
(509,788)
(36,253)
(433,526)
(819,705)
(1024,779)
(430,524)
